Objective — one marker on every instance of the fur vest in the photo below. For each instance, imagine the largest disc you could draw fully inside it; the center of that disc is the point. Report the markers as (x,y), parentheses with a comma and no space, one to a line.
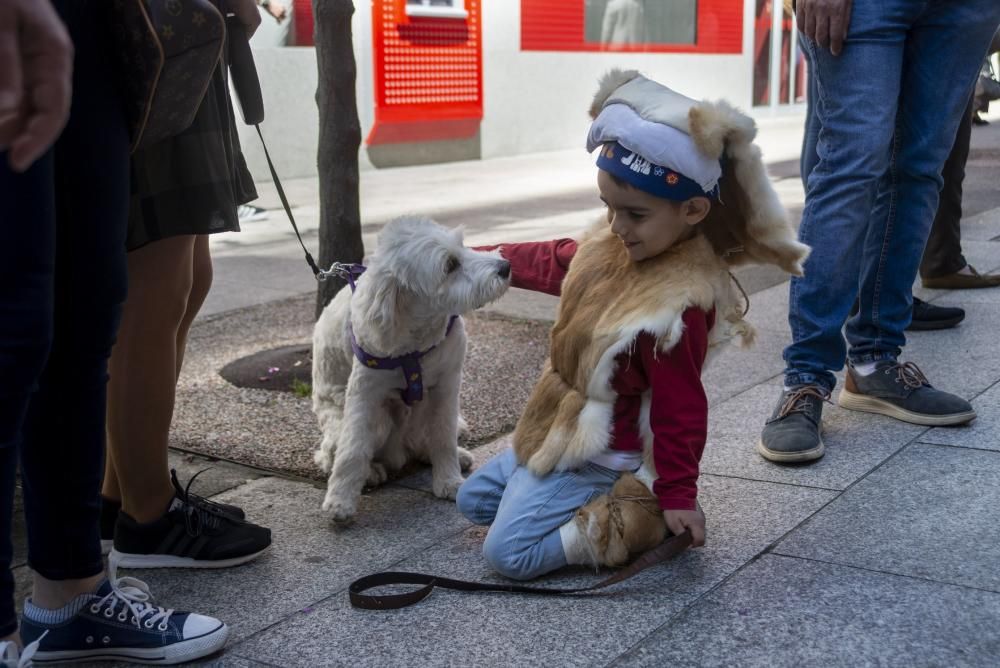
(607,300)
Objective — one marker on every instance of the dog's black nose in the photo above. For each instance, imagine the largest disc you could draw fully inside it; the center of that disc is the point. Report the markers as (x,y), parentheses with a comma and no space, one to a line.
(504,269)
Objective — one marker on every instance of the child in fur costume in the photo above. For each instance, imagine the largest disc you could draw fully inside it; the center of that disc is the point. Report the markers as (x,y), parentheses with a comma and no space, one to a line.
(606,454)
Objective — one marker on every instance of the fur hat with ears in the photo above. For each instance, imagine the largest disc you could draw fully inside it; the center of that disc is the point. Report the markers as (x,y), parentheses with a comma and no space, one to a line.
(749,224)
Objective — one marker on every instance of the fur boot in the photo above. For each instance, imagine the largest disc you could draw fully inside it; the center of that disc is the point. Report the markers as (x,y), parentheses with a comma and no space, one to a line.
(615,527)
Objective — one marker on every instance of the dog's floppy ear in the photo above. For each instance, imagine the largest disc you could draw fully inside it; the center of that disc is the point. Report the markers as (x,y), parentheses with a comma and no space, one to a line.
(382,303)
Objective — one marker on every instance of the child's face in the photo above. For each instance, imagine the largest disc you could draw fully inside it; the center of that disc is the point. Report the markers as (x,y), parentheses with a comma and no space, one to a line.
(646,224)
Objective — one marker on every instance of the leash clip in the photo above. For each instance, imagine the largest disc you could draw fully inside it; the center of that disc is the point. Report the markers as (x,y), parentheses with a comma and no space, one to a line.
(337,270)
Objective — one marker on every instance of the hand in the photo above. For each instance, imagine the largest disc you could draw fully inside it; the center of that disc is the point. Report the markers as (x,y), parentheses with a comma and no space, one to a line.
(679,520)
(36,79)
(277,10)
(247,14)
(824,22)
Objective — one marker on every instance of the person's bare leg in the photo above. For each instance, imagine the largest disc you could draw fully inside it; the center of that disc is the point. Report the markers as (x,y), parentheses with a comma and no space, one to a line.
(54,594)
(200,285)
(143,371)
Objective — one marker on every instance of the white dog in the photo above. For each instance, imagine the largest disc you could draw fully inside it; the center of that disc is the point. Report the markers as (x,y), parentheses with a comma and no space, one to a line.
(409,343)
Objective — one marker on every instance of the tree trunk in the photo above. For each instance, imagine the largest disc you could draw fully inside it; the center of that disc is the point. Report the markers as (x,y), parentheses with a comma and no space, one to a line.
(339,140)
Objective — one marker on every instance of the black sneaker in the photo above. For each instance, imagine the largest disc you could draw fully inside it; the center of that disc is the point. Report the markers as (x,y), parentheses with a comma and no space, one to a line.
(928,316)
(901,391)
(193,534)
(110,508)
(931,316)
(119,623)
(792,434)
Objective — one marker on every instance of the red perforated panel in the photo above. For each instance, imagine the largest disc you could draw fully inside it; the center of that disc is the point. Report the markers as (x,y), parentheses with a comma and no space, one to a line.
(559,25)
(428,74)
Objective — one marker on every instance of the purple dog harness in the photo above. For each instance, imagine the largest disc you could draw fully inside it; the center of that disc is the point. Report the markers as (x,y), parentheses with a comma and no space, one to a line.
(409,363)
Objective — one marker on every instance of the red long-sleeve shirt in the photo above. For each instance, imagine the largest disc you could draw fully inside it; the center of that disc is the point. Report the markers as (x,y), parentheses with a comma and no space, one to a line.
(678,413)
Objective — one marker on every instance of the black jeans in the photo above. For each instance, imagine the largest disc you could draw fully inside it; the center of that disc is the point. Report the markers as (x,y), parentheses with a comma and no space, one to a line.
(62,285)
(943,252)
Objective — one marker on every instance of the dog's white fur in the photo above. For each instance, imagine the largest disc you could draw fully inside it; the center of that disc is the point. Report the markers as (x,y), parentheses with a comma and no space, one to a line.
(402,304)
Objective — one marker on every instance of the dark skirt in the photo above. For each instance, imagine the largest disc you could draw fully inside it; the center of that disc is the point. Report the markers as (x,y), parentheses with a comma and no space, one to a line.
(193,182)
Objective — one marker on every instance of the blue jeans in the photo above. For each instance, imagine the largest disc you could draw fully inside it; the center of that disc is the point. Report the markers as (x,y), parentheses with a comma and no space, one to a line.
(525,511)
(888,109)
(62,284)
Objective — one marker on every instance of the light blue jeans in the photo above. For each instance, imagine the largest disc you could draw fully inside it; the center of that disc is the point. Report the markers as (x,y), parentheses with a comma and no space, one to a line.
(525,511)
(888,108)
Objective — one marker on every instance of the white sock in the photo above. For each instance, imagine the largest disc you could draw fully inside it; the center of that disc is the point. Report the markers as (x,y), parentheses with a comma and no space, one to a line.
(865,369)
(59,615)
(645,476)
(576,545)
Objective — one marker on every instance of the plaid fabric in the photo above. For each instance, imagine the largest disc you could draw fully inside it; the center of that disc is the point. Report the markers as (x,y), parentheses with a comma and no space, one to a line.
(193,182)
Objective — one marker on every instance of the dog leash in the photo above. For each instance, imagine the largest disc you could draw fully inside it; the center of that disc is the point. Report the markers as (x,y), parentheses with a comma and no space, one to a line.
(666,550)
(246,83)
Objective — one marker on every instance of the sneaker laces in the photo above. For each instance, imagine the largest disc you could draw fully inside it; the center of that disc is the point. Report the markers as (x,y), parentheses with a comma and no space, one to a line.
(134,596)
(911,376)
(199,512)
(10,657)
(797,400)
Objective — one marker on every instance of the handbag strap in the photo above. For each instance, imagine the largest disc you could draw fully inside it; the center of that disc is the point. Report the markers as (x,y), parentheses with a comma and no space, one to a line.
(666,550)
(317,272)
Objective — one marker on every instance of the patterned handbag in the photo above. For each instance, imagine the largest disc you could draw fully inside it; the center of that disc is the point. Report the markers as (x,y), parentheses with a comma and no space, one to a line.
(167,51)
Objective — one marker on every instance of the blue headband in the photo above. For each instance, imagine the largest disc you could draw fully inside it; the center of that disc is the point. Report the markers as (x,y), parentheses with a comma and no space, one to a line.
(649,177)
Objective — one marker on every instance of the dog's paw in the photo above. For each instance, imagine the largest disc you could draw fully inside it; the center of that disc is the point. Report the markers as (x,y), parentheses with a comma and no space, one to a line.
(463,427)
(340,510)
(376,475)
(323,460)
(447,489)
(465,459)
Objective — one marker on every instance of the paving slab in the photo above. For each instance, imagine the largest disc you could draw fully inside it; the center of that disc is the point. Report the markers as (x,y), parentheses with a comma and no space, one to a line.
(855,442)
(310,559)
(214,477)
(780,612)
(983,433)
(462,630)
(931,512)
(984,226)
(734,370)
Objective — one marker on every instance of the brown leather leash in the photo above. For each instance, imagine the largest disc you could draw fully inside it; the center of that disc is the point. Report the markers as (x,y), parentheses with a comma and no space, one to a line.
(666,550)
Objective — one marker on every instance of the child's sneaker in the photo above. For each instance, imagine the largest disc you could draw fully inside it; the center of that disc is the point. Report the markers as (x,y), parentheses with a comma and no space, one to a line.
(110,508)
(119,623)
(194,533)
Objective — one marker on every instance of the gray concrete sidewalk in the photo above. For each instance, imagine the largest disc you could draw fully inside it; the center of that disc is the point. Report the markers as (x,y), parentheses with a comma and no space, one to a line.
(885,552)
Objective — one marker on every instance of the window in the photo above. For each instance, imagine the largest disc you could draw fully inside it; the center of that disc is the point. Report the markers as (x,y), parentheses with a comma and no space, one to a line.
(652,26)
(620,22)
(447,9)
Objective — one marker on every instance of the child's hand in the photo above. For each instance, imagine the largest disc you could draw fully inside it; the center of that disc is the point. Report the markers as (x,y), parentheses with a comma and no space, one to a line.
(679,520)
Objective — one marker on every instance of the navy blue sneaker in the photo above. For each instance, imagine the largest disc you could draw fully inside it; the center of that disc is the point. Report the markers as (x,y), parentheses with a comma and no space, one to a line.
(120,623)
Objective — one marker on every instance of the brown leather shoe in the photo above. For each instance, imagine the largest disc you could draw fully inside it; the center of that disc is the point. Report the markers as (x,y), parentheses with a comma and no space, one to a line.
(958,281)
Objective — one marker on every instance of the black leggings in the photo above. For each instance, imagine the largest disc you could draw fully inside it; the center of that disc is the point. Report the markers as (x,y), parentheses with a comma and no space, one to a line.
(62,285)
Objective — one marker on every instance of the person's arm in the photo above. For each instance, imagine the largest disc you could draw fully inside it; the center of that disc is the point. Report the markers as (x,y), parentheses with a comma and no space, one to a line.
(36,70)
(678,418)
(537,265)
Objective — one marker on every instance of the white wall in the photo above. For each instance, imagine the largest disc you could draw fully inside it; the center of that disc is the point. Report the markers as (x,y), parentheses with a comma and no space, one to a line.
(538,100)
(533,101)
(291,123)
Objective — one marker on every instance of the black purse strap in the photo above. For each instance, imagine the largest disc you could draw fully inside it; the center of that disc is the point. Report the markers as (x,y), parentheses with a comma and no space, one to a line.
(666,550)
